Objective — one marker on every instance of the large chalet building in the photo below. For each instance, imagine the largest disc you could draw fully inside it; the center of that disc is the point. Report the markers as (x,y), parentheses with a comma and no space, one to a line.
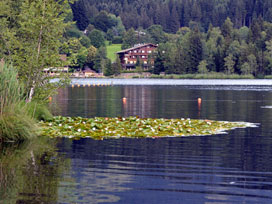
(142,52)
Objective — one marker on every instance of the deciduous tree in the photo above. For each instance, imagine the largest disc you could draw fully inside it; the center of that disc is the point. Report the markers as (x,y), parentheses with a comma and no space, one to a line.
(31,36)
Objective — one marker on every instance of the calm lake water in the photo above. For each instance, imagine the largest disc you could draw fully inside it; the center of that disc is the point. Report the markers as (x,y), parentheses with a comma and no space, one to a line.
(227,168)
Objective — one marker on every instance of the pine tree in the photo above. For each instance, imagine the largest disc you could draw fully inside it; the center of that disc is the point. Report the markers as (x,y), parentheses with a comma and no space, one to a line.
(117,67)
(194,55)
(108,68)
(80,14)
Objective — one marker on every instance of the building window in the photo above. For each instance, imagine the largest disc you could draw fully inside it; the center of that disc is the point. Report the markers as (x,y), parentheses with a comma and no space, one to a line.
(149,51)
(143,51)
(131,62)
(143,56)
(135,51)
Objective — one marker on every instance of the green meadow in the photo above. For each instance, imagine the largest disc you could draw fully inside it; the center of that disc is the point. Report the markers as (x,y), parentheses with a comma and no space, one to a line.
(111,50)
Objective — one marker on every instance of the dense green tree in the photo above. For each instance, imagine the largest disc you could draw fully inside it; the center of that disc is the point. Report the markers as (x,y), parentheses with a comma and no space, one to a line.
(104,22)
(97,38)
(202,67)
(72,32)
(31,36)
(110,35)
(85,41)
(173,24)
(80,14)
(100,60)
(129,39)
(245,69)
(252,62)
(90,59)
(229,64)
(156,33)
(194,55)
(108,68)
(171,14)
(117,67)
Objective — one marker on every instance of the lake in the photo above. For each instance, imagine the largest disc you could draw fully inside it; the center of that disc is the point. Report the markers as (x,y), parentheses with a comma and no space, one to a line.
(226,168)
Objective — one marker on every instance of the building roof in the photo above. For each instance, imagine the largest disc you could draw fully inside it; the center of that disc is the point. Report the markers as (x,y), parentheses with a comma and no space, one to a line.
(136,47)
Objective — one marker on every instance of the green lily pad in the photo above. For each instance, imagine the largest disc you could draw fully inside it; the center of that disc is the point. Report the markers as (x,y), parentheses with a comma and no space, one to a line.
(134,127)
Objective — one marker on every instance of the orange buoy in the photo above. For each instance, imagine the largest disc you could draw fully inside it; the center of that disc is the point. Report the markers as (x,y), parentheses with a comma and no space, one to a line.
(124,100)
(73,85)
(199,100)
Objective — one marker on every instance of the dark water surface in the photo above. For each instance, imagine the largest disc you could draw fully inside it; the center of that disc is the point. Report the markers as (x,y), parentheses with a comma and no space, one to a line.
(231,168)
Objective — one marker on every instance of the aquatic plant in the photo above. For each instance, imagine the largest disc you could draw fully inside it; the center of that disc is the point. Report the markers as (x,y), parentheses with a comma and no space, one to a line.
(133,127)
(15,121)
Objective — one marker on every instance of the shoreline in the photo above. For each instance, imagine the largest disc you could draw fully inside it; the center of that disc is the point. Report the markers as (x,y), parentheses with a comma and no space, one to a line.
(175,82)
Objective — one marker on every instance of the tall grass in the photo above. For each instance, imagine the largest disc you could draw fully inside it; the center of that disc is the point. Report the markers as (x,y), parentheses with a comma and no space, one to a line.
(16,123)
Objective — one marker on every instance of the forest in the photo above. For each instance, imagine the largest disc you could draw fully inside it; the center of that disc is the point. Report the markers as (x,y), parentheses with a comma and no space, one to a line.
(194,36)
(173,14)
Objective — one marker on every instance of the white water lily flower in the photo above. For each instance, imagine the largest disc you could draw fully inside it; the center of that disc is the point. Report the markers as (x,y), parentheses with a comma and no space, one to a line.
(60,125)
(70,127)
(84,131)
(94,129)
(84,123)
(50,124)
(79,130)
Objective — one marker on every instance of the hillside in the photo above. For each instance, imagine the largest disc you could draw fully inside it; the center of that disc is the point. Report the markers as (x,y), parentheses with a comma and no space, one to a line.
(173,14)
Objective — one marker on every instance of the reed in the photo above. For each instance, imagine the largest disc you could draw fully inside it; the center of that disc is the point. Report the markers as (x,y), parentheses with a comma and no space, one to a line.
(16,123)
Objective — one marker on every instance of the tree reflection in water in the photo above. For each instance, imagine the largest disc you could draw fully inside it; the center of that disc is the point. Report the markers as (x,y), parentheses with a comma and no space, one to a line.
(30,172)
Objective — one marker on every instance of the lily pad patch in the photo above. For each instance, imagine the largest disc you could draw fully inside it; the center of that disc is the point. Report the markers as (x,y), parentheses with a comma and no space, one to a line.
(134,127)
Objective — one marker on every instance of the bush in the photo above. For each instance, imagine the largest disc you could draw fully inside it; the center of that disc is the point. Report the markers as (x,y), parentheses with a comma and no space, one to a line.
(39,111)
(16,124)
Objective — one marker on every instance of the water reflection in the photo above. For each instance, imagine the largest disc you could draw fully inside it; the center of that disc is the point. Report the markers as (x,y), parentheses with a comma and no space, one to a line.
(161,101)
(29,172)
(218,169)
(92,179)
(231,168)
